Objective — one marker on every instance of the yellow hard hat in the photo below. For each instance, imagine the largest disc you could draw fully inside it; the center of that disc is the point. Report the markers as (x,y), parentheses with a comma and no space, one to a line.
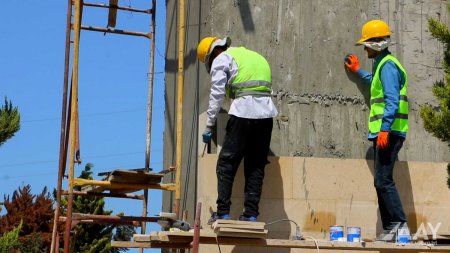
(203,48)
(374,29)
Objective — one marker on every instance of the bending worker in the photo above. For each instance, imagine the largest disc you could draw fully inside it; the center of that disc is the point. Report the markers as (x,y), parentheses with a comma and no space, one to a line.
(244,76)
(388,119)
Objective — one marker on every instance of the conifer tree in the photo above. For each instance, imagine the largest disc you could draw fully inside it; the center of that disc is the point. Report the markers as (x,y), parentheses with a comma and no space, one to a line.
(437,120)
(9,241)
(9,121)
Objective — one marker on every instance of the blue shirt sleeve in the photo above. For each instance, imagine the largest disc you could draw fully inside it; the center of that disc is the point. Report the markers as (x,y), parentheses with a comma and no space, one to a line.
(365,76)
(392,81)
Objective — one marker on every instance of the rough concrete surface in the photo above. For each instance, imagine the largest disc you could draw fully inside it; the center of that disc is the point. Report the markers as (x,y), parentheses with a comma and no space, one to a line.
(322,108)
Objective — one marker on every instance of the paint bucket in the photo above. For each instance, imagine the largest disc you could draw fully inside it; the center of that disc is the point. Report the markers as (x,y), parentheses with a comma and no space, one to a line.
(353,234)
(403,235)
(336,233)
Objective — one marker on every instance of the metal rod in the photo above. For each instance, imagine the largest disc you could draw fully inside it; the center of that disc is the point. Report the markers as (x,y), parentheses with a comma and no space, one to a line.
(74,109)
(62,142)
(196,238)
(149,114)
(116,31)
(148,11)
(180,90)
(101,194)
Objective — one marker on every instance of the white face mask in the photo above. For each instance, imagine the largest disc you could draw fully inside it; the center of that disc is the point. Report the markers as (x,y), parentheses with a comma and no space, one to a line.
(378,45)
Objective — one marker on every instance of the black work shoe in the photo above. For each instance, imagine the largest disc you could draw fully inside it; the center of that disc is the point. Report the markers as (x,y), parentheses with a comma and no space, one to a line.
(243,217)
(215,216)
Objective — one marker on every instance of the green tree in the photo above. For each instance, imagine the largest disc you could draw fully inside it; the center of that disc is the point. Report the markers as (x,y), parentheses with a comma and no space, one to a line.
(9,121)
(10,240)
(95,238)
(437,120)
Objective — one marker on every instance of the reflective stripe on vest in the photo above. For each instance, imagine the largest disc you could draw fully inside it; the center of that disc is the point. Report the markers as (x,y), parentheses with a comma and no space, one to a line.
(378,103)
(253,77)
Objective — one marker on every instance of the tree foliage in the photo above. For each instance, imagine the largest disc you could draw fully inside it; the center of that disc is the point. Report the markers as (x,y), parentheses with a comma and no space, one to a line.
(9,121)
(437,120)
(36,213)
(10,240)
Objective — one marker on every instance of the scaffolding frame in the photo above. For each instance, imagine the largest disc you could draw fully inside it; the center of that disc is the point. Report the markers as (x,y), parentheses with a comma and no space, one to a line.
(69,126)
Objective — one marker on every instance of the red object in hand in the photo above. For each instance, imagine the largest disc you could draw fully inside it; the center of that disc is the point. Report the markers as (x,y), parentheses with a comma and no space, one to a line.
(352,62)
(383,140)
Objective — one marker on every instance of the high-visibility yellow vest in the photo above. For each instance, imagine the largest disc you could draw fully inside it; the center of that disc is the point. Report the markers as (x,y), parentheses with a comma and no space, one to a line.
(377,102)
(253,78)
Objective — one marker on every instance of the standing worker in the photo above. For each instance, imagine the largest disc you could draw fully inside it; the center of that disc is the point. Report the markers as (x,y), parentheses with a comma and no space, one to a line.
(388,119)
(244,76)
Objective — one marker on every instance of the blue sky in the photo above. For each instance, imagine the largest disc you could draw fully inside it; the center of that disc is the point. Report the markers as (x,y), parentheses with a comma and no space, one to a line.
(112,94)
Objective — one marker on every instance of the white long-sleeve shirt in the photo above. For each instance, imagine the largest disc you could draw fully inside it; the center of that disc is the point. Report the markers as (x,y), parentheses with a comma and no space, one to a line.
(223,71)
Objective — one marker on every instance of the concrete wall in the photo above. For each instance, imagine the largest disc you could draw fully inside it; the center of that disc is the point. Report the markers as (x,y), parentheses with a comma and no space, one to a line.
(318,193)
(323,110)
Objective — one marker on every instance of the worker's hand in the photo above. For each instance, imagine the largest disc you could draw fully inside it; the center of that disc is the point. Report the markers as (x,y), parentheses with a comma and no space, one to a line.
(207,134)
(383,140)
(351,62)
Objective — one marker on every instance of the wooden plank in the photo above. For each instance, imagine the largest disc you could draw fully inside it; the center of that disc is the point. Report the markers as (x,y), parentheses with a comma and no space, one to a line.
(142,238)
(119,186)
(237,230)
(142,245)
(112,13)
(242,234)
(134,176)
(207,237)
(238,223)
(239,226)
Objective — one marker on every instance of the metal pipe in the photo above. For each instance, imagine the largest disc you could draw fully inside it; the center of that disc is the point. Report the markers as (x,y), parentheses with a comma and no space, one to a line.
(116,31)
(196,238)
(148,11)
(62,138)
(149,113)
(74,109)
(181,34)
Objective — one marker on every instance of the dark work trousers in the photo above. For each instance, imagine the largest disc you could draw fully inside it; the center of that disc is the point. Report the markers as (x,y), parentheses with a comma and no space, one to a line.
(248,139)
(389,203)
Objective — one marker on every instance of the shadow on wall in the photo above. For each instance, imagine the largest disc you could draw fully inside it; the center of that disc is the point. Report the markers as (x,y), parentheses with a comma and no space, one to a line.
(190,58)
(272,208)
(246,15)
(362,87)
(402,178)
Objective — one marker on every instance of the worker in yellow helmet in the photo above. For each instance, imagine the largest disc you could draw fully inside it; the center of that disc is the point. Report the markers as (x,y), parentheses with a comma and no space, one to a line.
(244,76)
(388,119)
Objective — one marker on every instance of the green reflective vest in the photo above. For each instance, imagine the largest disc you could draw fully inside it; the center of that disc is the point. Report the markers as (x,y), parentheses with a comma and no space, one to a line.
(377,102)
(253,77)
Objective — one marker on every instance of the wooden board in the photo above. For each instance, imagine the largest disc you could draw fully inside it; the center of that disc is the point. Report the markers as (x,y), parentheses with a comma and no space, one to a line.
(134,176)
(238,224)
(183,239)
(238,227)
(112,14)
(230,232)
(238,230)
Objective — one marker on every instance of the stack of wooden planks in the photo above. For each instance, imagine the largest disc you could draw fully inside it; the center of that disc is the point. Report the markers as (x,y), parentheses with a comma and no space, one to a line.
(243,229)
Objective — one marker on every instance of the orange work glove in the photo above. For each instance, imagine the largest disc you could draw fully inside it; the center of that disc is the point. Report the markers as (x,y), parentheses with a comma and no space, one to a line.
(383,140)
(352,62)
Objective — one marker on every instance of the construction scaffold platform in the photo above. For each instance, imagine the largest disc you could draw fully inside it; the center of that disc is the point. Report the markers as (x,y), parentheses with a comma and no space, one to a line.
(183,240)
